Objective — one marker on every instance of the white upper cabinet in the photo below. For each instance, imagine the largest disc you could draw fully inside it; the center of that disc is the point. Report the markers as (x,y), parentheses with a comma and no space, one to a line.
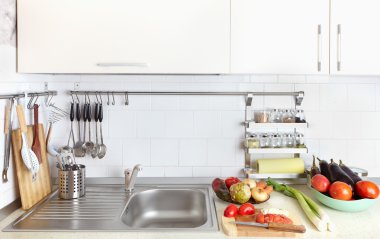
(280,36)
(355,37)
(124,36)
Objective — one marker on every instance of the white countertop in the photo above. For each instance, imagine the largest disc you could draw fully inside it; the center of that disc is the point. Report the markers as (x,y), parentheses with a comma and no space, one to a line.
(349,225)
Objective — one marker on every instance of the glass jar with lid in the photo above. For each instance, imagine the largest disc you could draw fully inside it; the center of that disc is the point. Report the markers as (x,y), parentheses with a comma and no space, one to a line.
(275,141)
(300,141)
(288,141)
(252,141)
(300,117)
(288,117)
(264,140)
(275,116)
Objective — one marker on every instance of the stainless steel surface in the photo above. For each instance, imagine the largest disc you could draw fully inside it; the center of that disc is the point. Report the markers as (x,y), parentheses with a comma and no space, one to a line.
(296,93)
(339,47)
(166,208)
(32,94)
(78,150)
(102,147)
(108,208)
(72,183)
(7,139)
(130,177)
(255,224)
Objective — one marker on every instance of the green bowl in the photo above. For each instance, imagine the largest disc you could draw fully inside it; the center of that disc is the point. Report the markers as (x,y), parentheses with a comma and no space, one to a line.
(345,206)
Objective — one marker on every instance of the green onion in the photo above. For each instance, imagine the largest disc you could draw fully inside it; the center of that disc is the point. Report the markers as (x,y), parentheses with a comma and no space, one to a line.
(312,210)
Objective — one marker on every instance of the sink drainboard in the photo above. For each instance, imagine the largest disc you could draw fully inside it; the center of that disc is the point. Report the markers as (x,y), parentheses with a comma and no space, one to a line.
(95,206)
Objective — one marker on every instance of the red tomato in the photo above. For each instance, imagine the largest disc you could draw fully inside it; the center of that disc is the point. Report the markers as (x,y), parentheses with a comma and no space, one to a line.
(260,218)
(320,183)
(231,181)
(367,189)
(341,191)
(231,211)
(247,209)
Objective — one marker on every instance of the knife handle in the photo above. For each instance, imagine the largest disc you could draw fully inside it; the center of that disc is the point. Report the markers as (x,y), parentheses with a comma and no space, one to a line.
(287,227)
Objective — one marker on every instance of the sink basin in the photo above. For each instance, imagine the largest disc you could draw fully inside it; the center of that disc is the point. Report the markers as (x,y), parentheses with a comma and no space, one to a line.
(166,208)
(110,208)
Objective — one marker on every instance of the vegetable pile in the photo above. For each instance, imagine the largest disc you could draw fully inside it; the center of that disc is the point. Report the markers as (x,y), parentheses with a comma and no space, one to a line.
(315,214)
(233,190)
(340,182)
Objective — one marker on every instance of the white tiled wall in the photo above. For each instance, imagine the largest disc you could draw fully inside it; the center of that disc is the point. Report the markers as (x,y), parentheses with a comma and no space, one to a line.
(193,136)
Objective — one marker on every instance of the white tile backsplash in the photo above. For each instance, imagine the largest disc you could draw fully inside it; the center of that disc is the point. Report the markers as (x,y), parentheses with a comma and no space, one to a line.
(200,136)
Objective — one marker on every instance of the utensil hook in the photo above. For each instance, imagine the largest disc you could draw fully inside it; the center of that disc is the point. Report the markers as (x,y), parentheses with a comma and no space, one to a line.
(113,99)
(30,105)
(97,99)
(126,98)
(76,96)
(108,98)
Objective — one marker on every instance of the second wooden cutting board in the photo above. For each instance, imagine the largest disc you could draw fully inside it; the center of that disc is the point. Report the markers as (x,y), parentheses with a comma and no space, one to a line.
(31,192)
(231,229)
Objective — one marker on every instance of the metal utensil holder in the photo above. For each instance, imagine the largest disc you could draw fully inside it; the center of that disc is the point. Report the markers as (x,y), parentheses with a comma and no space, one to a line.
(72,183)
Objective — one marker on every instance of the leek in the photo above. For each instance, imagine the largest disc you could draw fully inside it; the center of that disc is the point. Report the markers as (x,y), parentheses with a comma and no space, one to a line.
(312,210)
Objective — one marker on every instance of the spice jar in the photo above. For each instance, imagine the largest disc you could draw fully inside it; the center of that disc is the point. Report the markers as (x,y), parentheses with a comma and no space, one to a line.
(288,141)
(275,116)
(300,117)
(261,116)
(288,117)
(252,142)
(264,141)
(300,141)
(275,141)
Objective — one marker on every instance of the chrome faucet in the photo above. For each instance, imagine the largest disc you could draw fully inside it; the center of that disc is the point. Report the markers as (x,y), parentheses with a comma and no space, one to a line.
(130,177)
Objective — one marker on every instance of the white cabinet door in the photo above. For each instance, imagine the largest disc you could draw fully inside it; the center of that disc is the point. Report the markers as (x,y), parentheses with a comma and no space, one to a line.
(280,36)
(123,36)
(355,37)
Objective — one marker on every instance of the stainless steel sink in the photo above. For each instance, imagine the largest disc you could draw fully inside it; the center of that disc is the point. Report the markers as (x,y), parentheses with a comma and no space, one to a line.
(166,208)
(110,208)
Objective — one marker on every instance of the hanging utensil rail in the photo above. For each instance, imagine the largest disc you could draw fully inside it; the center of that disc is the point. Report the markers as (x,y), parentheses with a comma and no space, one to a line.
(30,94)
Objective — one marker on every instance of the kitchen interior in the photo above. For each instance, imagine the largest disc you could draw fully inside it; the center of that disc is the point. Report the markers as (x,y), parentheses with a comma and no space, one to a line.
(189,119)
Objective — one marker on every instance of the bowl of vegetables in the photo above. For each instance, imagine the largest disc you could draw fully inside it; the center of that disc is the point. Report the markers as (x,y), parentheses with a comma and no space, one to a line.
(238,191)
(338,187)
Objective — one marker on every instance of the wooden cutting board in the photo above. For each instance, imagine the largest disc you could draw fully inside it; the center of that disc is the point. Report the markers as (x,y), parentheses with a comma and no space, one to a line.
(31,192)
(231,229)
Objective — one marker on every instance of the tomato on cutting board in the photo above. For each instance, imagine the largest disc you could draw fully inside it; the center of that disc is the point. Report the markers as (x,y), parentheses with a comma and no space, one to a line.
(231,211)
(246,209)
(277,218)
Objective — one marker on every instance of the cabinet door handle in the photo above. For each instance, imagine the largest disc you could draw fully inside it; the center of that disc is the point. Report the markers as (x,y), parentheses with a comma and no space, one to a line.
(339,47)
(121,64)
(319,64)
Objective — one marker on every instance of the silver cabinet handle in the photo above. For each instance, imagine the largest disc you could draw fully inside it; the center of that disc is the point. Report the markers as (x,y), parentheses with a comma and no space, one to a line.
(121,64)
(319,64)
(339,47)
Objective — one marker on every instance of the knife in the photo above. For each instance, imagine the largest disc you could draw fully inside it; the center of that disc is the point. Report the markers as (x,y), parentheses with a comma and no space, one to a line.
(274,226)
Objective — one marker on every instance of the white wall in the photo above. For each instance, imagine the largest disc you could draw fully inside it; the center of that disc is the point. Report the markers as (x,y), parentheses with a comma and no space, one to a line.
(192,136)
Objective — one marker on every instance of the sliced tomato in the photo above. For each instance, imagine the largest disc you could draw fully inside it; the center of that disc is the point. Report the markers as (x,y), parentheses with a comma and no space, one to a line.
(260,218)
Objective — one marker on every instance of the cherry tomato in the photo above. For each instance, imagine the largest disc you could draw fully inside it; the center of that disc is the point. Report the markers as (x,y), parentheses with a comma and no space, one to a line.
(231,181)
(247,209)
(320,183)
(231,211)
(341,191)
(367,189)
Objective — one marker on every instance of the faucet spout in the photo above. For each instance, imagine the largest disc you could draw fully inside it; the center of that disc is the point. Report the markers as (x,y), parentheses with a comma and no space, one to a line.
(130,177)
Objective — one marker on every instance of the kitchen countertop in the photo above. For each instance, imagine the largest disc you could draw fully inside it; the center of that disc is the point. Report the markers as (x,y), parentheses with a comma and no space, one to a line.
(349,225)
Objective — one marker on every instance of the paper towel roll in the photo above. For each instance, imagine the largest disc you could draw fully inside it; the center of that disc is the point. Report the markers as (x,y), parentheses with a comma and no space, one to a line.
(284,165)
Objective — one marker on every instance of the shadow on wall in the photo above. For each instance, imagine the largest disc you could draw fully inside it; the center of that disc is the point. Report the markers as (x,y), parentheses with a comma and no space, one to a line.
(8,22)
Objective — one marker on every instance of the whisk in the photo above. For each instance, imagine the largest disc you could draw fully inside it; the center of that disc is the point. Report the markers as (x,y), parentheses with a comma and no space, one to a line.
(55,114)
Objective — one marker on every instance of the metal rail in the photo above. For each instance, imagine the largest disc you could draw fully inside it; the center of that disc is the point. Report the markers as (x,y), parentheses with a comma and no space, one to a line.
(222,93)
(31,94)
